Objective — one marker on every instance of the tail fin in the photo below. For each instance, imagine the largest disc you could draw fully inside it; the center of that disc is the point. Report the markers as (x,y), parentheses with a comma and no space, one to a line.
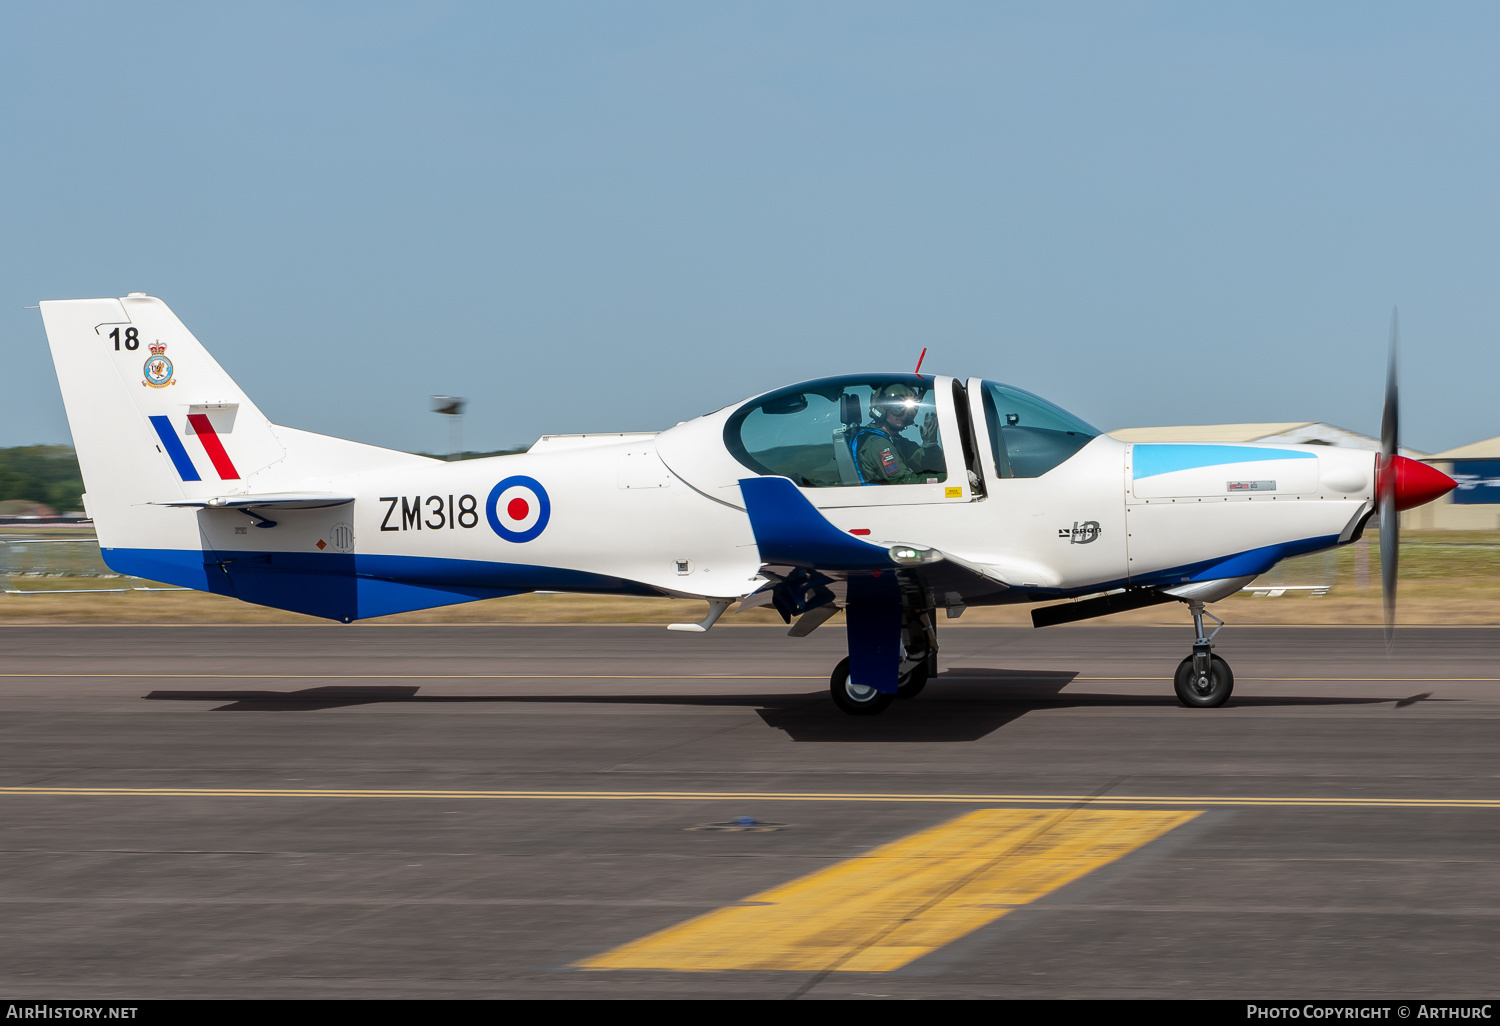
(156,420)
(154,417)
(160,429)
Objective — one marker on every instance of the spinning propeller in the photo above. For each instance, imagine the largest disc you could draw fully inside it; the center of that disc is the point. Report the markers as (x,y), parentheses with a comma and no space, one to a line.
(1400,483)
(1385,489)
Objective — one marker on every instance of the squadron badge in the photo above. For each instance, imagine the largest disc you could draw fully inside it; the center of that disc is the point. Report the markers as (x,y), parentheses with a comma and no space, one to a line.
(158,368)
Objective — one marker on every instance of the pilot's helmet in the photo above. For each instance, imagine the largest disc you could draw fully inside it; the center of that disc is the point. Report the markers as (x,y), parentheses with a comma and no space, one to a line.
(895,398)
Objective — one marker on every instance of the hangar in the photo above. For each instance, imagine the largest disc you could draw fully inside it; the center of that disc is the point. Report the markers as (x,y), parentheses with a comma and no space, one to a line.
(1475,504)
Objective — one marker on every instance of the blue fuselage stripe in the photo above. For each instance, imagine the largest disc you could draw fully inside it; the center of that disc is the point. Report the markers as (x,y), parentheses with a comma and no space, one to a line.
(345,586)
(173,445)
(1150,460)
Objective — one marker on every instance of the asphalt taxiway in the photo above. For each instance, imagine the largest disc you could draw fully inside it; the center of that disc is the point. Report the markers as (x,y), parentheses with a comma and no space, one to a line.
(534,811)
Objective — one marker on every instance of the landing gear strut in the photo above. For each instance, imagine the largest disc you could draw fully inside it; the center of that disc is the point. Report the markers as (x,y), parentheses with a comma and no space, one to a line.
(918,653)
(1203,680)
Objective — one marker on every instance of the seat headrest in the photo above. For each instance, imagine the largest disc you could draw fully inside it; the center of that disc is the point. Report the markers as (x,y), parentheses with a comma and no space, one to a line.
(849,413)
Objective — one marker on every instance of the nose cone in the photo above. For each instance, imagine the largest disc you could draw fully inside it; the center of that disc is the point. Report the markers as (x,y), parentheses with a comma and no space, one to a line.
(1415,483)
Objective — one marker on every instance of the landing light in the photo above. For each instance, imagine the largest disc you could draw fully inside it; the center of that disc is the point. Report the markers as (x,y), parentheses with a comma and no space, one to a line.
(914,555)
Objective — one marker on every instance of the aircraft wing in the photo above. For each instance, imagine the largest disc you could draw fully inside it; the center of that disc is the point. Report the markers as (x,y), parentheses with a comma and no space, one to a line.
(808,559)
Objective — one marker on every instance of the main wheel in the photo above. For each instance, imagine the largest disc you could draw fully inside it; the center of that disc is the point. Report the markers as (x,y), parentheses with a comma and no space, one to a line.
(912,684)
(853,699)
(1203,691)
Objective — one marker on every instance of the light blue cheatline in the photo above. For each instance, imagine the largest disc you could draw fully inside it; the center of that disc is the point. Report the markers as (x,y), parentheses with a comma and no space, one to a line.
(1148,460)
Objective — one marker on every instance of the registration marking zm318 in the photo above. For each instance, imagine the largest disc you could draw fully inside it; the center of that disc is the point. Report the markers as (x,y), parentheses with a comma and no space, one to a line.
(466,514)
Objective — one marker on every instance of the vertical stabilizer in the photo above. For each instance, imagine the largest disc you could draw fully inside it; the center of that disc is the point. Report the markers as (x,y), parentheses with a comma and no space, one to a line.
(160,429)
(153,415)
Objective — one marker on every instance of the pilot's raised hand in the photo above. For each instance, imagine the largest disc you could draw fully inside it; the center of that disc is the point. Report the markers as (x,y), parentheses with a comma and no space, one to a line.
(929,429)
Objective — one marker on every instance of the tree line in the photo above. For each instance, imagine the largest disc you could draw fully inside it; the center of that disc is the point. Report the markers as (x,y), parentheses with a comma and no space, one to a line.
(42,473)
(49,474)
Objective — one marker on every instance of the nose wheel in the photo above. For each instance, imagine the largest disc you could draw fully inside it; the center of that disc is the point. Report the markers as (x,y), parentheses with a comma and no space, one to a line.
(1203,687)
(1203,680)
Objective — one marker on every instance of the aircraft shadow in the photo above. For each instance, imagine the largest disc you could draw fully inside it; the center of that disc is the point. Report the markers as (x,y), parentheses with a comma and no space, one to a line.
(948,710)
(960,704)
(808,716)
(306,700)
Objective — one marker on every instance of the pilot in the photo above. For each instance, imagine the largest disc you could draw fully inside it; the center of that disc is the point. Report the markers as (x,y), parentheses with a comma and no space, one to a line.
(882,455)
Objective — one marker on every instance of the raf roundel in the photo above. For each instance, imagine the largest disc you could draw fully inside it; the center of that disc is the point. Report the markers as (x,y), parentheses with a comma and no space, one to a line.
(518,509)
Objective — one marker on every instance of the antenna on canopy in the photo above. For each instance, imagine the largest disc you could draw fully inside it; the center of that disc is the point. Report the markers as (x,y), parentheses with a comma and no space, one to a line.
(918,371)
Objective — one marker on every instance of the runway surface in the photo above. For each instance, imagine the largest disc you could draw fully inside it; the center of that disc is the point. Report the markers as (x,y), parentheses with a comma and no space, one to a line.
(530,811)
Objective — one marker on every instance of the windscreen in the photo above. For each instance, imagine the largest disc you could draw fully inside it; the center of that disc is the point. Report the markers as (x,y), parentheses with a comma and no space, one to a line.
(1028,435)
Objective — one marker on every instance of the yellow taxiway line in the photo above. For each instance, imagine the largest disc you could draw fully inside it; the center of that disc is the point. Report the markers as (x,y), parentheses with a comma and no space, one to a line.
(697,676)
(882,910)
(762,796)
(433,676)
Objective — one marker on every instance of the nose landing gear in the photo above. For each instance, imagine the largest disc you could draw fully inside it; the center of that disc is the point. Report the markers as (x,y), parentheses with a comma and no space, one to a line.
(1203,680)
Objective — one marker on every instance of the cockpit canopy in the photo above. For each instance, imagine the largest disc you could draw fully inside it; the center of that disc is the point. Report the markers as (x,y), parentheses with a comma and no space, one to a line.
(884,429)
(843,431)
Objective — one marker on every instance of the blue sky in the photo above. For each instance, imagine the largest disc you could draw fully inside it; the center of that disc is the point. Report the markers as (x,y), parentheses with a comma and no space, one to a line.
(615,216)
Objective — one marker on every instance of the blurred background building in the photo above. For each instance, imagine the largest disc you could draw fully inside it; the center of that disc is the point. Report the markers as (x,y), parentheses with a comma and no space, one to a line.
(1475,504)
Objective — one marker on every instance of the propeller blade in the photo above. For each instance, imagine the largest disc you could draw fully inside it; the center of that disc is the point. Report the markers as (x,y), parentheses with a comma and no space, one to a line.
(1390,542)
(1385,483)
(1390,419)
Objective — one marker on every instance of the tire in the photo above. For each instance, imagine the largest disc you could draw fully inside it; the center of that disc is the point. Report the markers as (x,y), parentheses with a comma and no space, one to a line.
(912,684)
(1207,695)
(852,699)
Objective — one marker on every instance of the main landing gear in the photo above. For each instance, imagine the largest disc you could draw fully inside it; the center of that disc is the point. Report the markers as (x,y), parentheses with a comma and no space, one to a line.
(854,699)
(1203,680)
(918,661)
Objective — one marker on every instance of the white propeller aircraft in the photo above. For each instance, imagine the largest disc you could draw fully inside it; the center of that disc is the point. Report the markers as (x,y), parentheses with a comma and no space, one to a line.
(890,496)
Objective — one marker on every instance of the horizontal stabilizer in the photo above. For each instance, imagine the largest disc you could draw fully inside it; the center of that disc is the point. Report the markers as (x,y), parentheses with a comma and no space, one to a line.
(271,500)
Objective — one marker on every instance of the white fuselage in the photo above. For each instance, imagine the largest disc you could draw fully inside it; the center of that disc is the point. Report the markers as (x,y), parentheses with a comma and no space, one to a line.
(169,444)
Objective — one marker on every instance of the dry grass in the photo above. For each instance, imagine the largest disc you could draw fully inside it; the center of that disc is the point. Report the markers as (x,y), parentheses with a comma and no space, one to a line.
(199,607)
(1421,603)
(1447,577)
